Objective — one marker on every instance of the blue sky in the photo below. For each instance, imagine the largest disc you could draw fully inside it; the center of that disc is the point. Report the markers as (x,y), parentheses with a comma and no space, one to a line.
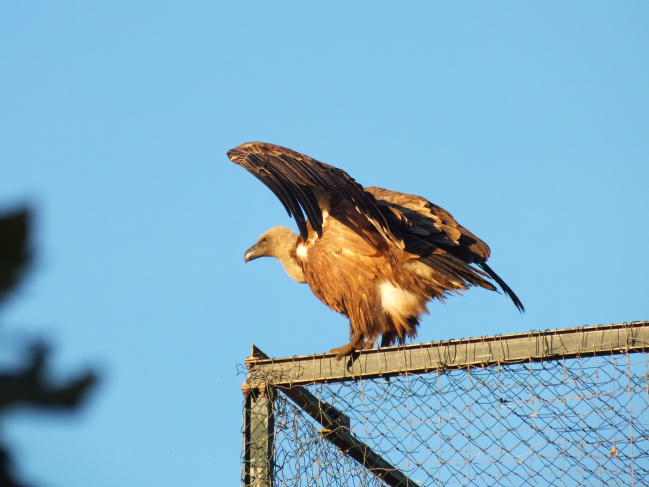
(528,121)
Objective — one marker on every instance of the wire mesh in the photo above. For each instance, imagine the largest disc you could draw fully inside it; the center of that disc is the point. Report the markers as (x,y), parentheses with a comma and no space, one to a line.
(579,421)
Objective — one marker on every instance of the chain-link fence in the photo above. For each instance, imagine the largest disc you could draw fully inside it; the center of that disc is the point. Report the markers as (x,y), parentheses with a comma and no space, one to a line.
(575,412)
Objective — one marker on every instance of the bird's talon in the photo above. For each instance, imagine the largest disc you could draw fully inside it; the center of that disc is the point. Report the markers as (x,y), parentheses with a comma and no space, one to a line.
(363,346)
(351,347)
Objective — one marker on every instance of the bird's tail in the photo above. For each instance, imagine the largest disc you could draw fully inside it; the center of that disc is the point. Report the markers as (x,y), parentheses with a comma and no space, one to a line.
(508,291)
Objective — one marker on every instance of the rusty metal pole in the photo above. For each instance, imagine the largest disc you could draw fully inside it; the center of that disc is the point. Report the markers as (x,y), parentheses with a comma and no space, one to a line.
(259,423)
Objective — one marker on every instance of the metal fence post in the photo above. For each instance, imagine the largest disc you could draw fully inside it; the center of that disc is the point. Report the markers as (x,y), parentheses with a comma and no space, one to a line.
(259,423)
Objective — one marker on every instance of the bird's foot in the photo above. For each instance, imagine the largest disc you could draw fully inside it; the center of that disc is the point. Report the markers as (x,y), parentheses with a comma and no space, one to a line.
(350,348)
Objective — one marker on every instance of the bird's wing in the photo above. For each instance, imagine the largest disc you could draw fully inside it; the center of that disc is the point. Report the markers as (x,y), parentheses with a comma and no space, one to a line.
(432,225)
(299,180)
(430,232)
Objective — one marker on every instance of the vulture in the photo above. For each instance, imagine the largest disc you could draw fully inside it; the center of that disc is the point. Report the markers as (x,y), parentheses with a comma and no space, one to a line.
(374,255)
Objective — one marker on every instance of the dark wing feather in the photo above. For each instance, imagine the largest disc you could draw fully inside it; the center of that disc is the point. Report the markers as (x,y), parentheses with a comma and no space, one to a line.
(443,244)
(503,285)
(294,178)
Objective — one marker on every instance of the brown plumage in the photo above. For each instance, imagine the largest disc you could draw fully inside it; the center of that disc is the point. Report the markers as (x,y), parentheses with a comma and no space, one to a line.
(374,255)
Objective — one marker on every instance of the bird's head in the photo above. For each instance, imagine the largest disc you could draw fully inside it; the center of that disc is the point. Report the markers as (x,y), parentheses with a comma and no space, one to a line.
(276,242)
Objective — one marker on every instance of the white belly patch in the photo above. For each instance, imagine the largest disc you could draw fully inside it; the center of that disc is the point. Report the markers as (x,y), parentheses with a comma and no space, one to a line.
(397,301)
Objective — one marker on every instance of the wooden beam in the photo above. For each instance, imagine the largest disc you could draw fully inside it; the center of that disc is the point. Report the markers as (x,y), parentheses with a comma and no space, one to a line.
(453,354)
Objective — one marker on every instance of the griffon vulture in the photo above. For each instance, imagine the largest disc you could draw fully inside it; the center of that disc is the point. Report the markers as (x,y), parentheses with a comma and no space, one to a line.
(374,255)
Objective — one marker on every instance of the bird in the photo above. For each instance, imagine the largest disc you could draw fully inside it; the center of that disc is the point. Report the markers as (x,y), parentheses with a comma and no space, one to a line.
(374,255)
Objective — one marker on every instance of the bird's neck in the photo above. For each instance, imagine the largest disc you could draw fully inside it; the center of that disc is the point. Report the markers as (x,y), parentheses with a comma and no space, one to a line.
(284,251)
(291,266)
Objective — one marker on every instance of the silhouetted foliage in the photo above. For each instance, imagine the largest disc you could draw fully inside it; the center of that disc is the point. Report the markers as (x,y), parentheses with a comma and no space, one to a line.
(28,385)
(15,251)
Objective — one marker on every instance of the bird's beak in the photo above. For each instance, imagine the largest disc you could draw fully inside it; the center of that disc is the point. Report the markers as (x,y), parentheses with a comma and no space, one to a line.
(250,254)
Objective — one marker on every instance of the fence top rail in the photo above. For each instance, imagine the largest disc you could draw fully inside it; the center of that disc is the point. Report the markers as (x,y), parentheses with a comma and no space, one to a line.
(421,358)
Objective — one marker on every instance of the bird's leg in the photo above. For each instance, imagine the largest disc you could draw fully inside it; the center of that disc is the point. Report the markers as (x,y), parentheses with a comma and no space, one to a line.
(356,343)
